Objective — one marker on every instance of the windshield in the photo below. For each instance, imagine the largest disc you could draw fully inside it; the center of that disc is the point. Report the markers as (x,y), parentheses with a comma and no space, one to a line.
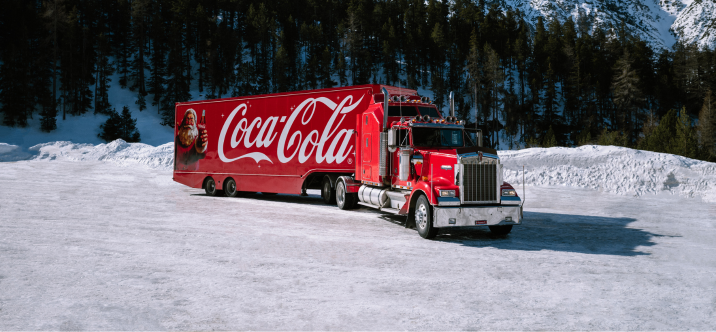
(406,111)
(432,112)
(434,137)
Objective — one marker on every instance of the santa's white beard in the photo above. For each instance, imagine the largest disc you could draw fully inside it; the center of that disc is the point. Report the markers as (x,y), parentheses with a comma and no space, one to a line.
(187,135)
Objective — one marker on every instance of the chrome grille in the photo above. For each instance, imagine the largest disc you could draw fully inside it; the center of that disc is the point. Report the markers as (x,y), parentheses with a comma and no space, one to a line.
(480,181)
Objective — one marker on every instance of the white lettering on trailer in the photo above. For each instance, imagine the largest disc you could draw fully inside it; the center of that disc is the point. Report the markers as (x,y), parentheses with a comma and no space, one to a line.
(305,148)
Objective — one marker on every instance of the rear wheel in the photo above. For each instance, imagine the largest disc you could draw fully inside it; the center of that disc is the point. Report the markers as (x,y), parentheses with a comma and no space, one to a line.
(210,187)
(501,230)
(327,193)
(230,188)
(424,219)
(344,199)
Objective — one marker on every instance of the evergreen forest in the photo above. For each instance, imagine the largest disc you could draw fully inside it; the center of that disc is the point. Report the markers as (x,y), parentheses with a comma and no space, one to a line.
(543,83)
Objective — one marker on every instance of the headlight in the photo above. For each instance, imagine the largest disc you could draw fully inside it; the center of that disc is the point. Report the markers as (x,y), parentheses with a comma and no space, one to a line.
(447,193)
(508,192)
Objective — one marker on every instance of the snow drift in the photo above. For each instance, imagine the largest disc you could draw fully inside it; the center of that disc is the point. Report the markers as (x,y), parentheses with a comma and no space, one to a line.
(612,169)
(117,152)
(605,168)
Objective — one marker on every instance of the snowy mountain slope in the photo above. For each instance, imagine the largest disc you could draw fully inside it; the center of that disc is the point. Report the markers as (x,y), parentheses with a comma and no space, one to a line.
(697,23)
(605,168)
(659,22)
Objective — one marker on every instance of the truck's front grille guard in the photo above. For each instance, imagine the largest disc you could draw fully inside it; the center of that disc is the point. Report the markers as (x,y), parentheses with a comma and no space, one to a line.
(479,182)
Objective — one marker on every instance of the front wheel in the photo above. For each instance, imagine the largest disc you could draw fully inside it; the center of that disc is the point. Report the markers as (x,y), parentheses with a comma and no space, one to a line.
(501,230)
(344,199)
(424,219)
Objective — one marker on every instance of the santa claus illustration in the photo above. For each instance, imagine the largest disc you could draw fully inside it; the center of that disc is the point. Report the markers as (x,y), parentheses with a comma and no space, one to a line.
(191,143)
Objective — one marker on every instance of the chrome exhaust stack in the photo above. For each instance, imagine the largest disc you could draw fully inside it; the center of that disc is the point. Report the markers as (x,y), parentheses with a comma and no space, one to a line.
(386,98)
(452,104)
(383,170)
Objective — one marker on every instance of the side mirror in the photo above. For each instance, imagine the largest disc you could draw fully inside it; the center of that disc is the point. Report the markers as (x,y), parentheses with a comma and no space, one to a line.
(391,140)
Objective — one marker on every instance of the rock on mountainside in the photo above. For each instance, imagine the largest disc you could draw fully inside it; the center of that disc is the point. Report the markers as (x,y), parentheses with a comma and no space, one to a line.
(659,22)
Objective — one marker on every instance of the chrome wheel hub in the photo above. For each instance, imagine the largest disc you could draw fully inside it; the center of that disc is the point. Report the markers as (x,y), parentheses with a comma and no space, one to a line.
(340,194)
(421,216)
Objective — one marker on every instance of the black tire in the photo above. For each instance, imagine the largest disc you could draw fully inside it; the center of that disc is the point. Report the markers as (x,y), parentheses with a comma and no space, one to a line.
(501,231)
(424,218)
(210,187)
(327,192)
(344,199)
(230,188)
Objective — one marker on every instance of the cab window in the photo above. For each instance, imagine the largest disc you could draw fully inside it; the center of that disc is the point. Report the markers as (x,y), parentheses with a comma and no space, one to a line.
(432,112)
(405,111)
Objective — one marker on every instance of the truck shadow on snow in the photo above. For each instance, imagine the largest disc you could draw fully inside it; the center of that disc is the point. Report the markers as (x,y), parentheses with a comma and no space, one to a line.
(539,231)
(561,232)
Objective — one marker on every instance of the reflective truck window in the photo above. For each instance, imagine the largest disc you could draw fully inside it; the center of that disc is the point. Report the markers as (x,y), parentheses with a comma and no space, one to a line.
(436,137)
(429,111)
(406,111)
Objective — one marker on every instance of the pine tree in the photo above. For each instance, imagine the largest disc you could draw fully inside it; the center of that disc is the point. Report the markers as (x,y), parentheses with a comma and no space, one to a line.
(120,127)
(122,36)
(686,143)
(48,119)
(177,86)
(103,72)
(495,77)
(326,81)
(157,58)
(55,11)
(129,130)
(139,64)
(476,76)
(549,140)
(627,93)
(111,129)
(662,137)
(707,126)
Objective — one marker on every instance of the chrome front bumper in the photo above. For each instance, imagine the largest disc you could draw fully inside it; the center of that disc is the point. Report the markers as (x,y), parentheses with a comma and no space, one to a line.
(476,216)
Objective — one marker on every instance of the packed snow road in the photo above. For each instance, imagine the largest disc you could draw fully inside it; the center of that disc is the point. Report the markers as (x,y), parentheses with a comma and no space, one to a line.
(95,246)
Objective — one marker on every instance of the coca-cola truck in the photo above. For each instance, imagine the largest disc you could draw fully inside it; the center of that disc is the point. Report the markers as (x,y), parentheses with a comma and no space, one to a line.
(373,145)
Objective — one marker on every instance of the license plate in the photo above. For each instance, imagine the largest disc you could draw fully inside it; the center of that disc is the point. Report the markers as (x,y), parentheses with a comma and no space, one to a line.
(480,222)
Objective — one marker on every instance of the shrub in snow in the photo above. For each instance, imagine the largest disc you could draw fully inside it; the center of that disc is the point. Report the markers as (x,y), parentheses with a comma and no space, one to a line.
(119,126)
(48,119)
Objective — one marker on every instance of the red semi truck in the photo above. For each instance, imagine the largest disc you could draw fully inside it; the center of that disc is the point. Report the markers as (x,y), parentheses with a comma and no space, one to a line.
(373,145)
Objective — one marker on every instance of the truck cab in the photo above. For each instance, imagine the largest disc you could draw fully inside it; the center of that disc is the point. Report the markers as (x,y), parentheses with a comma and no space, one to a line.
(412,161)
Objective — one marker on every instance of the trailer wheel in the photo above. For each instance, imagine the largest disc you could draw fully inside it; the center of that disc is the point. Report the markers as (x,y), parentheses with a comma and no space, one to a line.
(328,194)
(501,231)
(344,199)
(230,188)
(210,187)
(424,219)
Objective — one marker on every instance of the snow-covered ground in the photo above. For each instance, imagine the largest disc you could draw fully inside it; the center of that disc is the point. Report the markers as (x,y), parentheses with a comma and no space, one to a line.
(98,237)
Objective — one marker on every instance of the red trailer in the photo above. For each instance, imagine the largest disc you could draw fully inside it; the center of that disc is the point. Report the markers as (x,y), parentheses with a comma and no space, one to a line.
(409,160)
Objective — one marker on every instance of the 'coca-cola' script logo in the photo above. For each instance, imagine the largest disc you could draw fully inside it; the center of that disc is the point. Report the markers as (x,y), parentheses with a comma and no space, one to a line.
(330,145)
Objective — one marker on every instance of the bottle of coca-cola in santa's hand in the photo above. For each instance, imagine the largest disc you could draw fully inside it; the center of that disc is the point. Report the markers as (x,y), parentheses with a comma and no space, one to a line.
(202,122)
(201,141)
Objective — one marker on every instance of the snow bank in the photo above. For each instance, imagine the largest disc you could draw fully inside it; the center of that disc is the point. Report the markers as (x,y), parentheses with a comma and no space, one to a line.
(9,152)
(117,152)
(605,168)
(612,169)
